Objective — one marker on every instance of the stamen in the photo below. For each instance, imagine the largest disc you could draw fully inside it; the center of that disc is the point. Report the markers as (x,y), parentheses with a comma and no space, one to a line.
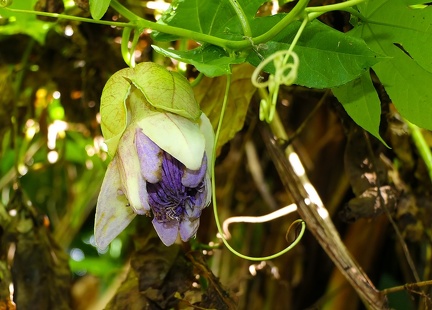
(169,198)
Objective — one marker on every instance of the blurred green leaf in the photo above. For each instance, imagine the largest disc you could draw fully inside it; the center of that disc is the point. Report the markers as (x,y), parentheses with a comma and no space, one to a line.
(97,266)
(40,272)
(23,22)
(56,110)
(76,145)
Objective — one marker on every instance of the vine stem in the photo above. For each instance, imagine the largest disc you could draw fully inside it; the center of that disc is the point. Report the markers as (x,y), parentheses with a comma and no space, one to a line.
(315,12)
(334,7)
(407,286)
(218,224)
(242,17)
(288,19)
(71,17)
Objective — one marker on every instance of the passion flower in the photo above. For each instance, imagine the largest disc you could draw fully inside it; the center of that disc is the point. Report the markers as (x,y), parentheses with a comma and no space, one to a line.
(162,151)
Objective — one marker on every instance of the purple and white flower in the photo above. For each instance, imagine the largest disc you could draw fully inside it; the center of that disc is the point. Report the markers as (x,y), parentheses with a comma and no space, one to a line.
(157,176)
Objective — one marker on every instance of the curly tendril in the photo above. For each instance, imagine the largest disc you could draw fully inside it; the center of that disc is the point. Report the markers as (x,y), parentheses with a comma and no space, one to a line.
(256,219)
(285,74)
(220,231)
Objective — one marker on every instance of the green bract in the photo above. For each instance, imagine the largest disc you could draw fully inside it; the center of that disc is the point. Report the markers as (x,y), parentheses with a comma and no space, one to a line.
(131,95)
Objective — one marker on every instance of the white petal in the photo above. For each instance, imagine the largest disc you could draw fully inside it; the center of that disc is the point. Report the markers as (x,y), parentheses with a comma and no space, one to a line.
(192,178)
(208,132)
(176,135)
(134,185)
(193,212)
(188,229)
(209,136)
(167,232)
(112,213)
(208,189)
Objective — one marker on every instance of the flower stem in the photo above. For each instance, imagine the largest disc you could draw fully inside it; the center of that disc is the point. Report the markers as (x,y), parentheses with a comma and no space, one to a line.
(334,7)
(288,19)
(122,10)
(314,12)
(71,17)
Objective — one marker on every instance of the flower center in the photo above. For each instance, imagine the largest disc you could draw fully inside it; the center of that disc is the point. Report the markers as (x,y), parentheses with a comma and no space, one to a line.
(169,198)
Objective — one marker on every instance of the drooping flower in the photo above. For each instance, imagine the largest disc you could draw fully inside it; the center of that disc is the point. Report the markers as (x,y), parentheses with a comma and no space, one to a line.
(161,158)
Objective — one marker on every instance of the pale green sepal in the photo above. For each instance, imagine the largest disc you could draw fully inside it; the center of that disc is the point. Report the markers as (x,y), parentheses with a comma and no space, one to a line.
(112,213)
(113,108)
(138,105)
(166,90)
(177,136)
(134,185)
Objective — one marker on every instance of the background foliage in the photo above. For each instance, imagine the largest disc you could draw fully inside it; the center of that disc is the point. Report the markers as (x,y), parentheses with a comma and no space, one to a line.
(364,67)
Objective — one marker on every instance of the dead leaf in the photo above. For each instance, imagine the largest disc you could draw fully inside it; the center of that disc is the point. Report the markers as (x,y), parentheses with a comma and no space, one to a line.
(210,94)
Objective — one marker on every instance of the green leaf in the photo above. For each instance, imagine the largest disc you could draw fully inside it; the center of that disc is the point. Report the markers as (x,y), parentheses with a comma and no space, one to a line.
(210,60)
(409,87)
(391,24)
(24,23)
(210,17)
(396,30)
(328,58)
(98,8)
(361,102)
(215,17)
(166,90)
